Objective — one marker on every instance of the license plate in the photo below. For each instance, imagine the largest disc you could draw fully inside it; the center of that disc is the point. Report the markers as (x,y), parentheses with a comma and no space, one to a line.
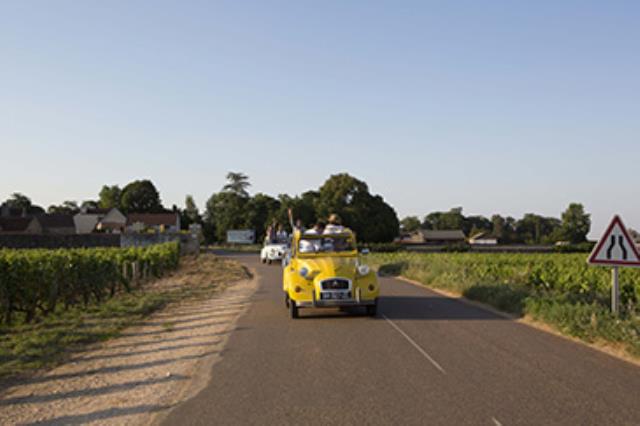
(335,295)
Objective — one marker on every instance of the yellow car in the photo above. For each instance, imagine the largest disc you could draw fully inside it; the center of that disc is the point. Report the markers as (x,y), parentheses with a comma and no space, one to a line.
(325,271)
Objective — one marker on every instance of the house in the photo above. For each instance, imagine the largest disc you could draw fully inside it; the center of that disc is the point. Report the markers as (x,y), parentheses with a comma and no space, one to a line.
(19,225)
(159,222)
(483,239)
(55,224)
(105,220)
(433,237)
(87,220)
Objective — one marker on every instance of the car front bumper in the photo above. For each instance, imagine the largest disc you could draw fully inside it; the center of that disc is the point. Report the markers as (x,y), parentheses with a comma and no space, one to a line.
(334,303)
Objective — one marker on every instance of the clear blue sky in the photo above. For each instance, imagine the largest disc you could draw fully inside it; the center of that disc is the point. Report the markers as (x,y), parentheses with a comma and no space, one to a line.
(507,107)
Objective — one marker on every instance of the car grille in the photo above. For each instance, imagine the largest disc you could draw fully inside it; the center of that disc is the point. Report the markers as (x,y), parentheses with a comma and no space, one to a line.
(335,284)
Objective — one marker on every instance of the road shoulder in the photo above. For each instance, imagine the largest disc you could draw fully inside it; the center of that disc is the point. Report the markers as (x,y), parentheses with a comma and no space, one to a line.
(138,377)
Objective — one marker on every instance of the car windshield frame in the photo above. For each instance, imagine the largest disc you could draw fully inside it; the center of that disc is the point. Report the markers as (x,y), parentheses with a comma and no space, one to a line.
(350,251)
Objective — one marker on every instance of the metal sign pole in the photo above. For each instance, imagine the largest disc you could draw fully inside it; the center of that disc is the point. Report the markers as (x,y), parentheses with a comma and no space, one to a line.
(615,291)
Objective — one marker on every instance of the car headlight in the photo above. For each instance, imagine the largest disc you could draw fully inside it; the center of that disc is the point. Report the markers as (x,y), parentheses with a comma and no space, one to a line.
(304,272)
(364,269)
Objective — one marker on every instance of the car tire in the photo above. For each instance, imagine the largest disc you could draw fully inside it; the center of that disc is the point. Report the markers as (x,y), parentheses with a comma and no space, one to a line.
(286,300)
(372,310)
(293,310)
(263,260)
(269,261)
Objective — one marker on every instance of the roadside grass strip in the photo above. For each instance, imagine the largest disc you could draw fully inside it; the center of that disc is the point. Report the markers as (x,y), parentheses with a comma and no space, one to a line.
(558,289)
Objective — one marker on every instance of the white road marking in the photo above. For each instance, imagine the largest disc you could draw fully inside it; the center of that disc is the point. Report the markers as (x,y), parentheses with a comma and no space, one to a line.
(415,345)
(496,422)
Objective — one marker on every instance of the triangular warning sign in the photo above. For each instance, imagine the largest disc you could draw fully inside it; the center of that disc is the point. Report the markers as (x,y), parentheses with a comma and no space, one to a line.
(616,247)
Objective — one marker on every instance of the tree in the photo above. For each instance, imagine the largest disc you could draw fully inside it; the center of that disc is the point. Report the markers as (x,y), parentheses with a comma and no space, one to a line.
(67,207)
(237,184)
(410,224)
(472,225)
(110,197)
(225,211)
(536,229)
(261,211)
(90,204)
(576,223)
(140,196)
(369,216)
(453,219)
(19,201)
(21,204)
(303,207)
(190,214)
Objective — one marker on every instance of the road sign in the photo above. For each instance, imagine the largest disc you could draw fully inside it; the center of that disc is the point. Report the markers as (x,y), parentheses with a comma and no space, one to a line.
(615,248)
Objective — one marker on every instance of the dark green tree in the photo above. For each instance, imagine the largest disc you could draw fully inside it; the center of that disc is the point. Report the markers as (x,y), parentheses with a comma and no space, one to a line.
(369,216)
(410,224)
(19,201)
(190,214)
(109,197)
(303,207)
(453,219)
(67,207)
(140,196)
(21,204)
(536,229)
(225,211)
(90,204)
(576,223)
(238,183)
(261,210)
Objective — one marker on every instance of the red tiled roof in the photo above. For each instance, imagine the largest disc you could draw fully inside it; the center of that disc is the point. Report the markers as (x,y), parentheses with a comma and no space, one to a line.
(14,224)
(56,221)
(153,219)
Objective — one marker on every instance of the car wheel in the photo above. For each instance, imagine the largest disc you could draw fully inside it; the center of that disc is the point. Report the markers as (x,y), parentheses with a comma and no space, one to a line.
(269,261)
(286,300)
(263,260)
(293,310)
(372,310)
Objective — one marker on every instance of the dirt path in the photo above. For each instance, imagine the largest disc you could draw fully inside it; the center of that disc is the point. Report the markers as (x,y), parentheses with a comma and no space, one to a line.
(138,376)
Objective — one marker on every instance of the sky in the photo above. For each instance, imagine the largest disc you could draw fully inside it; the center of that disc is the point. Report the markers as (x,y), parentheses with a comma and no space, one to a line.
(502,107)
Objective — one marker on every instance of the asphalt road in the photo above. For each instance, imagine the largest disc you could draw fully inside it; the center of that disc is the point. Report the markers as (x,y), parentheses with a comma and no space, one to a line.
(425,359)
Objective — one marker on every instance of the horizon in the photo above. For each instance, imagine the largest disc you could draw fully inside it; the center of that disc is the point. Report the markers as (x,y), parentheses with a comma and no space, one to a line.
(496,108)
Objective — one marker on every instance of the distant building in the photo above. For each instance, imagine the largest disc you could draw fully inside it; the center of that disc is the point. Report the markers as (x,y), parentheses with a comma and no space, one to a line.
(483,239)
(158,222)
(19,225)
(103,220)
(56,224)
(433,237)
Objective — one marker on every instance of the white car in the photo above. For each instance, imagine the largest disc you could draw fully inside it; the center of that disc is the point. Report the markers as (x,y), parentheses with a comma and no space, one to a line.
(273,252)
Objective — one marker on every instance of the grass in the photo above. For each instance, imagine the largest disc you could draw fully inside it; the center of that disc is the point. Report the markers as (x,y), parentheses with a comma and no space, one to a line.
(25,347)
(559,290)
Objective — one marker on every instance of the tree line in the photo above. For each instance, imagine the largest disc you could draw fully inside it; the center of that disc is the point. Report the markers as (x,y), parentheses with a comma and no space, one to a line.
(233,207)
(367,214)
(573,226)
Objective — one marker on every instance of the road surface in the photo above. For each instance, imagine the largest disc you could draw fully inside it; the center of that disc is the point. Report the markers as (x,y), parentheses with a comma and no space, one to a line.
(425,359)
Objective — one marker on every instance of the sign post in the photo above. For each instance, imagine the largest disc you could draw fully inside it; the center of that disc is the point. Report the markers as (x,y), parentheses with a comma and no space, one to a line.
(616,248)
(615,291)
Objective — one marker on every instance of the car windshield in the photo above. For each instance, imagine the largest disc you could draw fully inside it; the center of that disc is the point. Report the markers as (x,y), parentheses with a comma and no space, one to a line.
(328,244)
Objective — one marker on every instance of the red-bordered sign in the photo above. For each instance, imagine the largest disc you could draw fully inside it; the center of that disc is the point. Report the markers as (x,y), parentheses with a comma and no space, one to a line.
(616,247)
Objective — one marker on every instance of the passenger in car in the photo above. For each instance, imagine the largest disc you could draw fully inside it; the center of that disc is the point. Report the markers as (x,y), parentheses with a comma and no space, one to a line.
(310,246)
(335,225)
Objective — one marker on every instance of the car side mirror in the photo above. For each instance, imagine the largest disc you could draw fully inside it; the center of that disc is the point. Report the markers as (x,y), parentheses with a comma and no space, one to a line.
(365,251)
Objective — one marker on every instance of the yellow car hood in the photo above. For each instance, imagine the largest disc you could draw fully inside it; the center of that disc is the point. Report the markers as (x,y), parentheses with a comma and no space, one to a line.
(329,267)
